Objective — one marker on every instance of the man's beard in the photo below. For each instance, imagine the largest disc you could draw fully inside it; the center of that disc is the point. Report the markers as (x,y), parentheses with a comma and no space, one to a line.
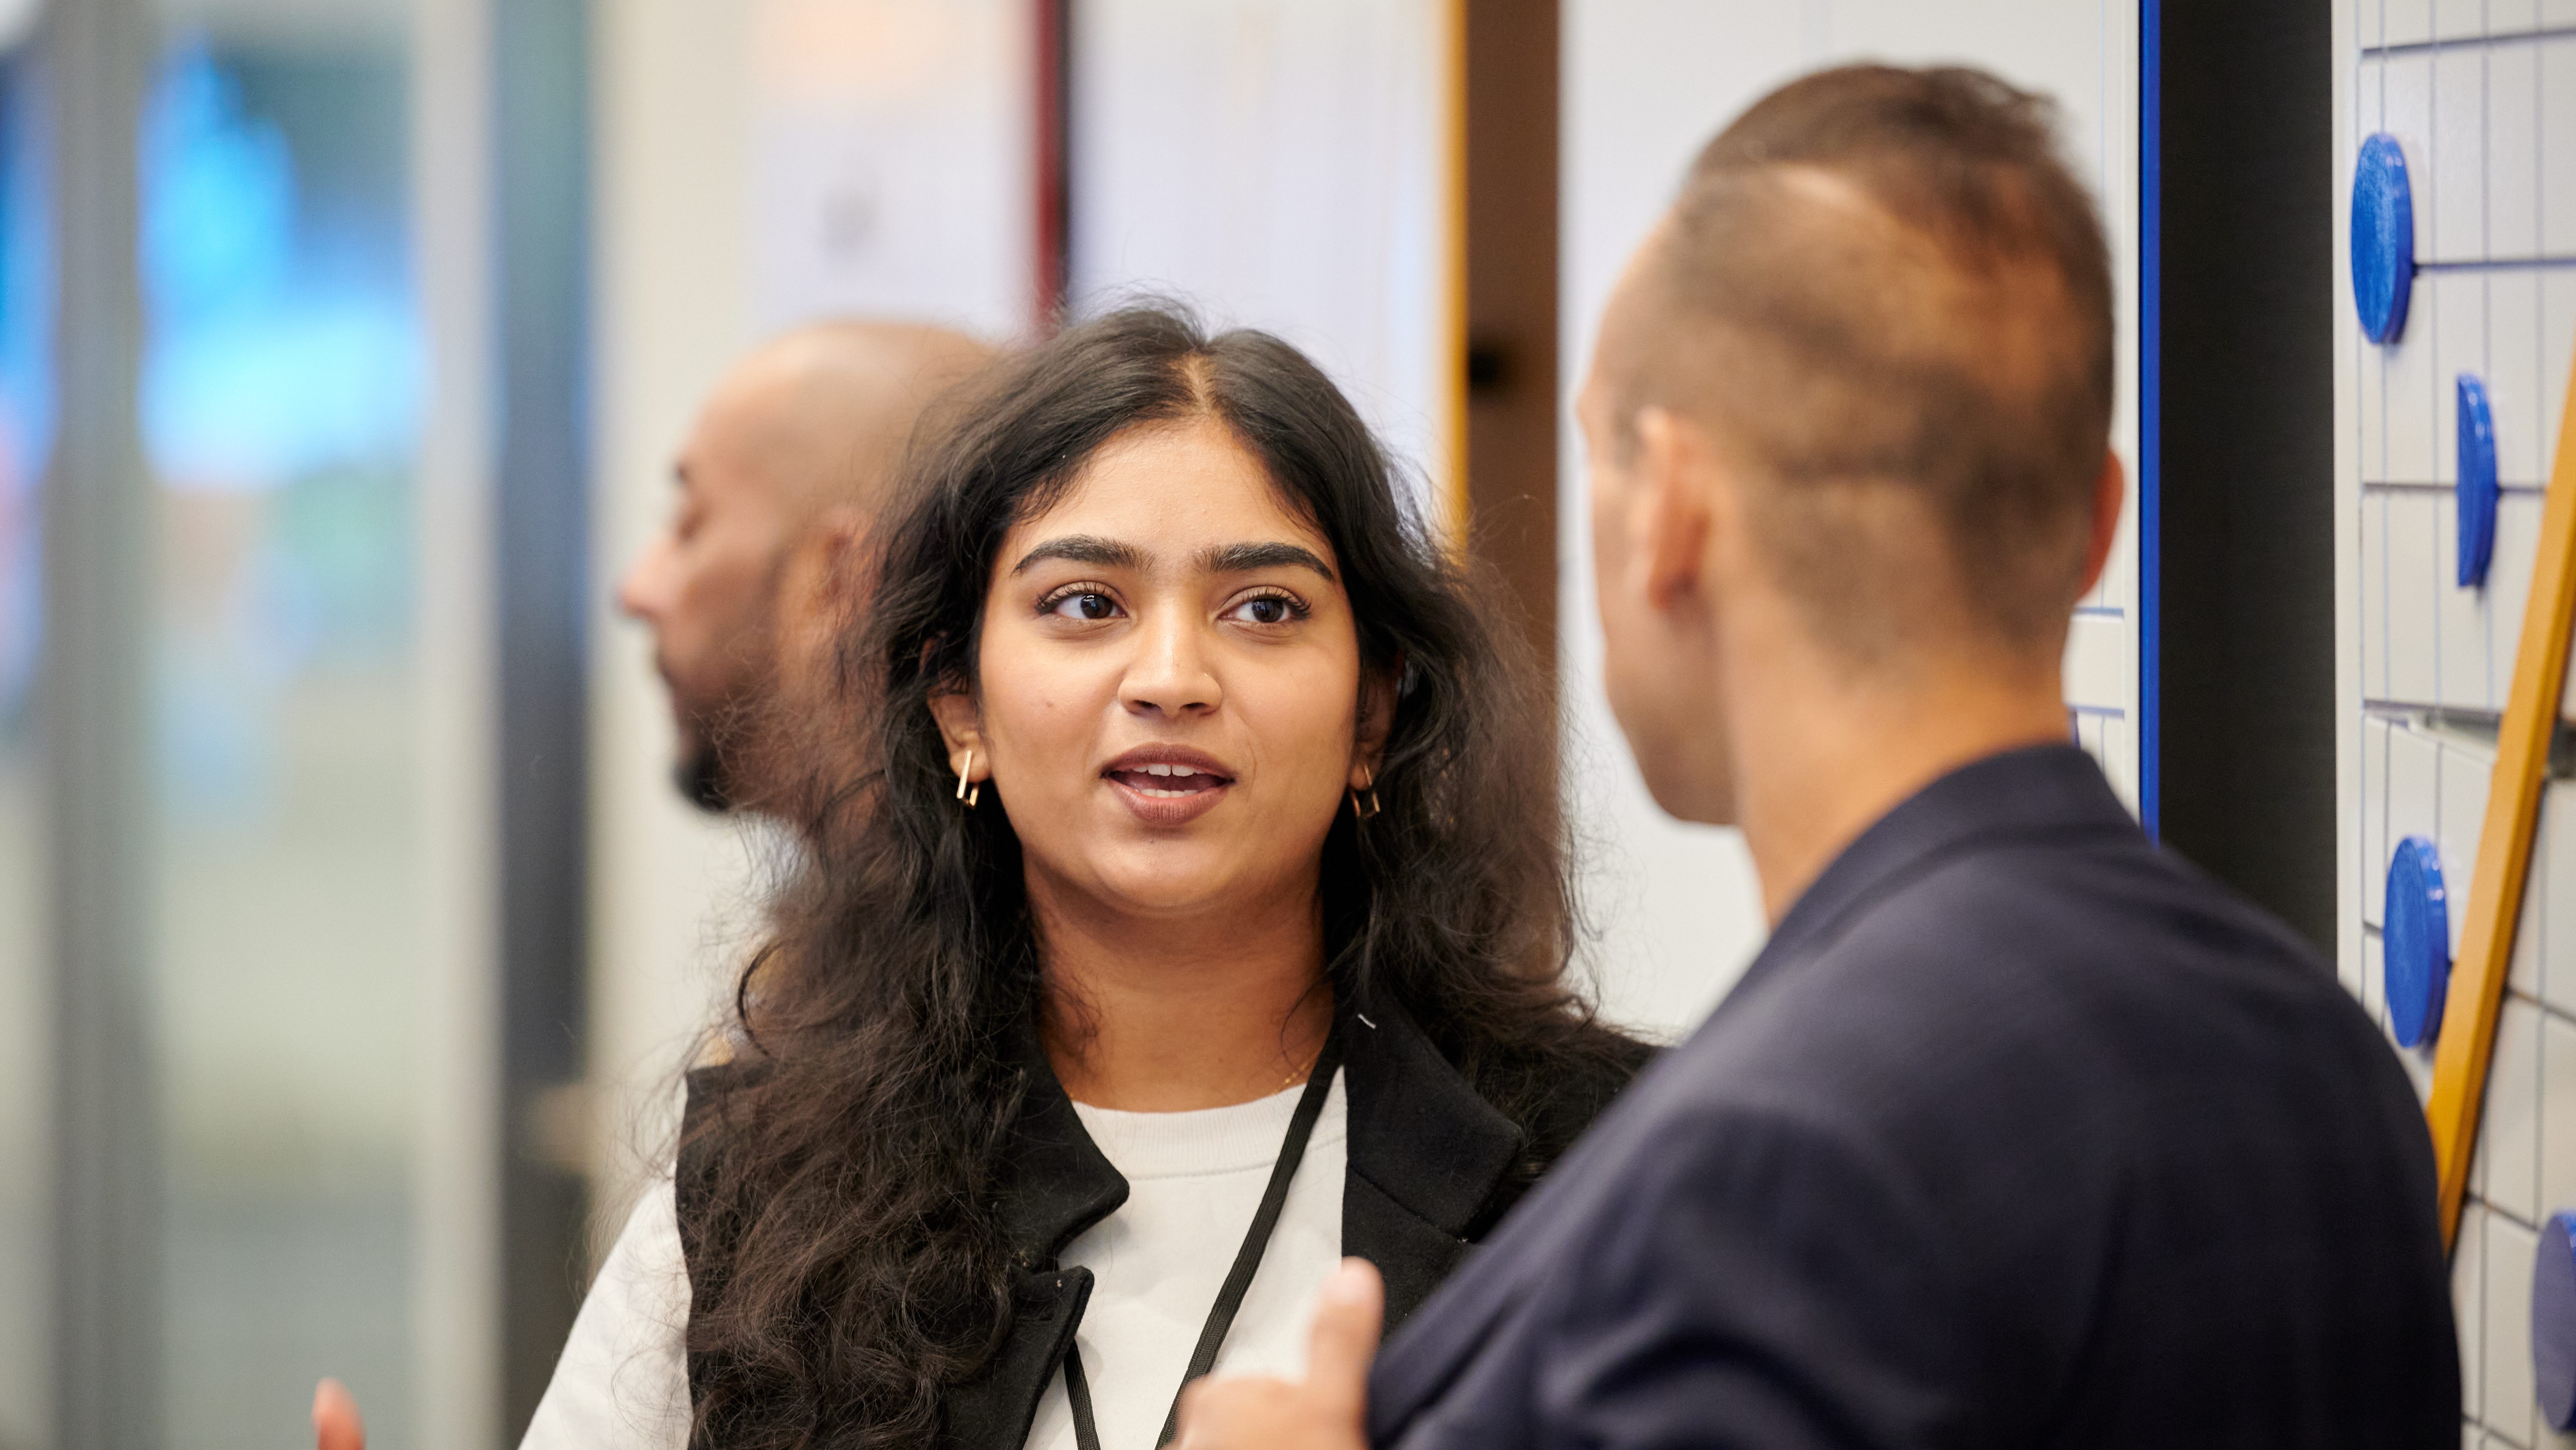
(701,777)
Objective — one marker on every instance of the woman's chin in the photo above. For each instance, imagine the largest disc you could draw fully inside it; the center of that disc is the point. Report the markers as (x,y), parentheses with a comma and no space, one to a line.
(1176,896)
(1154,880)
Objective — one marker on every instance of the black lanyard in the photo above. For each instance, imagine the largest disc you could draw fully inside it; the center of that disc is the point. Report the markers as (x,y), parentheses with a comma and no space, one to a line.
(1247,1260)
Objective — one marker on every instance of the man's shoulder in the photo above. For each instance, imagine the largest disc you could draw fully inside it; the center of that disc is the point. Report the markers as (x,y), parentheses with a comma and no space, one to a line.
(2031,956)
(2106,1021)
(2037,1078)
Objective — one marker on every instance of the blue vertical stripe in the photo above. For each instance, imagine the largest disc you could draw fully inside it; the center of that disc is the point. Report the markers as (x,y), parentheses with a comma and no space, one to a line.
(2150,403)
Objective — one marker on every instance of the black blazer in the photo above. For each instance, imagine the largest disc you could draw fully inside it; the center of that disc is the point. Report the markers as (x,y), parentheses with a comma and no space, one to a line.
(1430,1168)
(2019,1132)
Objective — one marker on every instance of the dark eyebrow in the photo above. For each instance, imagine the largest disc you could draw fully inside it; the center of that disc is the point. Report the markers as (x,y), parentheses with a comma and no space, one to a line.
(1244,558)
(1083,549)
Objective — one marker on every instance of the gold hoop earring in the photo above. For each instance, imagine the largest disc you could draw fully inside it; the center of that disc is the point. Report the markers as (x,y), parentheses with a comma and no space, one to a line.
(969,792)
(1364,800)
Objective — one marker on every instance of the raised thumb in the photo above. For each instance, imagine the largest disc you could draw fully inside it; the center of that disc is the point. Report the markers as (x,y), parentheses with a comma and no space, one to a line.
(336,1425)
(1344,1339)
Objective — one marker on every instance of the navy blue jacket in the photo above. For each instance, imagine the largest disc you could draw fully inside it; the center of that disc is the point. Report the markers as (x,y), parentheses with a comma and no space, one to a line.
(2019,1132)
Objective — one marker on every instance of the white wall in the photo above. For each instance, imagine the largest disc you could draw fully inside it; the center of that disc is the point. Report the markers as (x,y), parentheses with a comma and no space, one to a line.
(890,154)
(1281,163)
(1647,82)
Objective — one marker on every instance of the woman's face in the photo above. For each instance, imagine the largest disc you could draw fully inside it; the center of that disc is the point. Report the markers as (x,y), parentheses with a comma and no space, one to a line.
(1169,692)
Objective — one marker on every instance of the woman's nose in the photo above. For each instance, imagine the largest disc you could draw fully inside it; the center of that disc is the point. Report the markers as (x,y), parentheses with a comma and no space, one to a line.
(1170,674)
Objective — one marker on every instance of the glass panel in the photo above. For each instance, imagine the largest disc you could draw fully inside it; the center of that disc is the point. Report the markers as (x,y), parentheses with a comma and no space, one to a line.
(281,402)
(26,429)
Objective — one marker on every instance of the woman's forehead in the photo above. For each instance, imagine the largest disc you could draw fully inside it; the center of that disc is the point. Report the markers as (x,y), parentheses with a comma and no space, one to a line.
(1177,489)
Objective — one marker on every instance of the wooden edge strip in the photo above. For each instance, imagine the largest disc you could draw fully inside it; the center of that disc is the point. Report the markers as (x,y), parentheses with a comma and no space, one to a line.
(1449,478)
(2476,996)
(1051,201)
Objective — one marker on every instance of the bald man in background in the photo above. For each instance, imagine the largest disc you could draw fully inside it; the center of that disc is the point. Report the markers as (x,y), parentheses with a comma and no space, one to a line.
(780,476)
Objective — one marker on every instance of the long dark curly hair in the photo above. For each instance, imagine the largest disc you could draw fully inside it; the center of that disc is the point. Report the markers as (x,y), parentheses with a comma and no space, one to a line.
(853,1266)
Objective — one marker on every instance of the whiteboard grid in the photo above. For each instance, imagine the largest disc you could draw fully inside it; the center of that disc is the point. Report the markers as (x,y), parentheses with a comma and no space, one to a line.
(2481,96)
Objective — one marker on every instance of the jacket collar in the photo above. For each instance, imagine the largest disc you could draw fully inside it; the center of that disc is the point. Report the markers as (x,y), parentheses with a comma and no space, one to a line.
(2037,790)
(1056,1182)
(1418,1134)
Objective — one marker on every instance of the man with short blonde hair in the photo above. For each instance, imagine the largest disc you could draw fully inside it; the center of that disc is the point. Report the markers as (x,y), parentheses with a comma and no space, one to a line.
(2019,1132)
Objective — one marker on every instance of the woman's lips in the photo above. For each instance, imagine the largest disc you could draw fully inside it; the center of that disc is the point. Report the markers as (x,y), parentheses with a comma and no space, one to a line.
(1168,780)
(1168,793)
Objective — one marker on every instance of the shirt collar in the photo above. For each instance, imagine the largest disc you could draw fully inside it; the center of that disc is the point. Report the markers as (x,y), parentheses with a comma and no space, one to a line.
(1416,1130)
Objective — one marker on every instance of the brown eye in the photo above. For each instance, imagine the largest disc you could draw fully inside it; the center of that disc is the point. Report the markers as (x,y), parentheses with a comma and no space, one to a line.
(1083,604)
(1267,609)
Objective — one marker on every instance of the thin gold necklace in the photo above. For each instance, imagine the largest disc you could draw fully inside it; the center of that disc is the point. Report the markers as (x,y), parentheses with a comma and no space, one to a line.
(1302,1073)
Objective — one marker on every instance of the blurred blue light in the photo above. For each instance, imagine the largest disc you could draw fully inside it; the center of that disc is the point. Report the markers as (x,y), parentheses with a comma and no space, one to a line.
(268,359)
(26,387)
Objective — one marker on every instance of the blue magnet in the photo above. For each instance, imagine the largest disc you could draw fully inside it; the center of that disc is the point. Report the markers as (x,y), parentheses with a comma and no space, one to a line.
(2383,238)
(2415,942)
(2553,1321)
(2476,490)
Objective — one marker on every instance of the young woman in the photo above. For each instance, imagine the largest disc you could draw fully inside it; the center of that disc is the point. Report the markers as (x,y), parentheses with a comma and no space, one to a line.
(1202,920)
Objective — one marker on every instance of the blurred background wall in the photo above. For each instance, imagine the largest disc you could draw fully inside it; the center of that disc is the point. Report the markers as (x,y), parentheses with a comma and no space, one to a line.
(352,937)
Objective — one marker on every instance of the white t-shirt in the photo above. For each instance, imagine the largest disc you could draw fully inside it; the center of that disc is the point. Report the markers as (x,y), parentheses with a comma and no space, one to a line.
(1194,1180)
